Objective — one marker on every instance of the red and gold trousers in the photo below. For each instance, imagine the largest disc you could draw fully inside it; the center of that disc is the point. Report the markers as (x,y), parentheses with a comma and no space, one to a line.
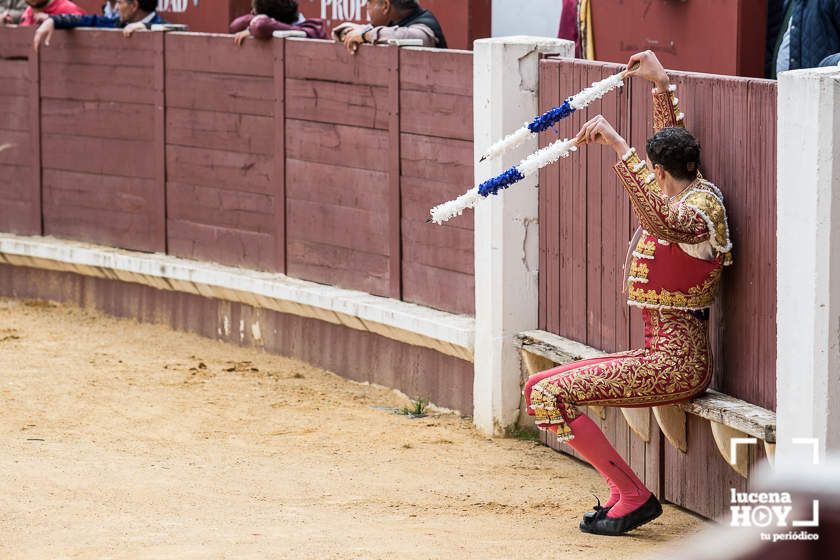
(675,365)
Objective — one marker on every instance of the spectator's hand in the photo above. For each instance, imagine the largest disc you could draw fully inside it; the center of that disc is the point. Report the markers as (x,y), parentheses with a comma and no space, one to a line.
(40,17)
(240,37)
(6,18)
(129,29)
(43,34)
(599,131)
(353,40)
(341,31)
(649,68)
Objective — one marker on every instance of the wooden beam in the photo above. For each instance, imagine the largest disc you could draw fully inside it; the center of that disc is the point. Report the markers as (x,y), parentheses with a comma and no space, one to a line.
(741,415)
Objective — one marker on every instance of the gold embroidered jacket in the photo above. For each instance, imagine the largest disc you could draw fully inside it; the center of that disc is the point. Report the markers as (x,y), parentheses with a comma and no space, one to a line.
(676,262)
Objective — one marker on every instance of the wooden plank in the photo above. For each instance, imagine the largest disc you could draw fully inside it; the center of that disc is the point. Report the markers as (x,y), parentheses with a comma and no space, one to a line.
(216,168)
(205,52)
(439,288)
(328,224)
(279,131)
(549,207)
(245,211)
(102,47)
(231,132)
(444,248)
(338,266)
(247,95)
(394,195)
(438,159)
(309,59)
(700,479)
(420,195)
(338,103)
(223,245)
(444,72)
(556,348)
(735,413)
(13,181)
(158,195)
(130,195)
(18,150)
(101,119)
(573,249)
(127,158)
(15,112)
(17,202)
(343,186)
(339,145)
(15,216)
(15,42)
(96,83)
(595,192)
(103,226)
(36,214)
(443,115)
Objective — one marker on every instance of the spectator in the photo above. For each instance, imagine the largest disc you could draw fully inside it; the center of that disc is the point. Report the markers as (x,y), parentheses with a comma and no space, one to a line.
(831,60)
(11,11)
(268,16)
(132,15)
(809,32)
(392,19)
(40,10)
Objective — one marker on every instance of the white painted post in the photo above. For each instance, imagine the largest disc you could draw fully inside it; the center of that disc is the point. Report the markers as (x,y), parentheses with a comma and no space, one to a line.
(808,267)
(506,95)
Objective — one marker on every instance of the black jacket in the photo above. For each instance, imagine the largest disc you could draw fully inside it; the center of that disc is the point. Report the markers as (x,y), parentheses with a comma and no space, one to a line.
(814,32)
(428,19)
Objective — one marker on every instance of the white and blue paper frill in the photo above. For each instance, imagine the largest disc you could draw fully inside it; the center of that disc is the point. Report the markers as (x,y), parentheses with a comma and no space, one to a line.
(526,167)
(545,121)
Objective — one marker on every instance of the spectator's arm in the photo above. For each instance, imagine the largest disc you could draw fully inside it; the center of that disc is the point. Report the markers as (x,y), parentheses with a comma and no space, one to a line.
(831,60)
(339,31)
(417,31)
(262,27)
(241,23)
(68,21)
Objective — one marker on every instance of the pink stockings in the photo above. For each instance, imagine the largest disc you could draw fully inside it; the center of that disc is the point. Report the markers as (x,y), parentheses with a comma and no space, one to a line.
(627,492)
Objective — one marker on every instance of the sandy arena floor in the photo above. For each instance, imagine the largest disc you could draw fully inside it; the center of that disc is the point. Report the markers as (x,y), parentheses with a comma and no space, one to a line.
(126,440)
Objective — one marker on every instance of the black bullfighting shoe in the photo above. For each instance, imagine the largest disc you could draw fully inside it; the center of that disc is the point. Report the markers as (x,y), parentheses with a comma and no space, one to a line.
(597,511)
(601,524)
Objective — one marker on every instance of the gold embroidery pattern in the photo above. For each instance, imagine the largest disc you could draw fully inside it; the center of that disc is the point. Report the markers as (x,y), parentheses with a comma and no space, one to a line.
(709,206)
(645,249)
(638,269)
(675,365)
(698,297)
(666,111)
(683,224)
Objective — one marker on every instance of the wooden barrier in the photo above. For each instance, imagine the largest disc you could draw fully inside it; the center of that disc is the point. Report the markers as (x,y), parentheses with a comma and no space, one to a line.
(285,155)
(20,151)
(102,139)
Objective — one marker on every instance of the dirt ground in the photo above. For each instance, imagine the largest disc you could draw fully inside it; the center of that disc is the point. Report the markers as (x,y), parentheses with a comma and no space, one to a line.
(127,440)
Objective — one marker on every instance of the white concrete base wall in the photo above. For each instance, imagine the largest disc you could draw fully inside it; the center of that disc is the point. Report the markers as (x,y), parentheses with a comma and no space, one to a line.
(808,267)
(405,322)
(506,95)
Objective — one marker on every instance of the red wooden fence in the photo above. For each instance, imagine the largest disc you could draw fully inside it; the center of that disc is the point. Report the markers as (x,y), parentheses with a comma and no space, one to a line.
(285,155)
(20,179)
(586,223)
